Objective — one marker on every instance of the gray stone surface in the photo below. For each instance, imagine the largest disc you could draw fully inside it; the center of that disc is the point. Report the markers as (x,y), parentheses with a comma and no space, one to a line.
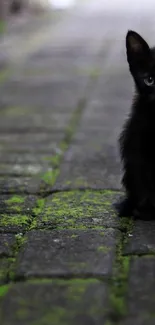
(57,302)
(141,296)
(142,239)
(7,242)
(67,253)
(19,185)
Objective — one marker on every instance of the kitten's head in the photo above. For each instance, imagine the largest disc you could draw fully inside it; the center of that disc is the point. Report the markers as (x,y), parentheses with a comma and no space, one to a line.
(141,61)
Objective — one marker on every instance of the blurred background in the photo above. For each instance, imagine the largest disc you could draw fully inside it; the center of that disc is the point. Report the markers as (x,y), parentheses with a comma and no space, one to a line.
(61,60)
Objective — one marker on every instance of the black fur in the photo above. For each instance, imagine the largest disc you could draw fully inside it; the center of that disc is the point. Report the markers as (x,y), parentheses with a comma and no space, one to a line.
(137,140)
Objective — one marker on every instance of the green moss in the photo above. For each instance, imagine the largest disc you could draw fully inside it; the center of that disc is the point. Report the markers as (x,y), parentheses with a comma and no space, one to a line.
(14,220)
(4,74)
(3,290)
(126,224)
(38,209)
(103,249)
(15,199)
(74,236)
(20,240)
(15,203)
(50,176)
(2,26)
(79,210)
(119,290)
(119,285)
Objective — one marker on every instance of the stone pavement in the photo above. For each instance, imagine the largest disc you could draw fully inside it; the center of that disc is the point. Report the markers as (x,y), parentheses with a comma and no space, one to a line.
(65,257)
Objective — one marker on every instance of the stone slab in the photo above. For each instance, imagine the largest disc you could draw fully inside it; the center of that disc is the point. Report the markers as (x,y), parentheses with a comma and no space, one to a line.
(142,239)
(141,297)
(78,210)
(56,302)
(68,253)
(7,241)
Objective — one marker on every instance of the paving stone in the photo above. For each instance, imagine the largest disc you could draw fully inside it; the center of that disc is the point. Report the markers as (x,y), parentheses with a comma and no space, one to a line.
(95,170)
(78,210)
(17,204)
(7,241)
(27,158)
(141,297)
(58,94)
(142,240)
(23,170)
(56,302)
(16,185)
(23,143)
(19,119)
(93,155)
(68,253)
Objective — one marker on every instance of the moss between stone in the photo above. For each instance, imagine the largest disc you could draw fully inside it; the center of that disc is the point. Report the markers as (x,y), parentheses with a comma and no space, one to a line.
(20,241)
(74,301)
(103,249)
(119,284)
(14,220)
(119,289)
(50,176)
(77,282)
(15,199)
(3,290)
(78,210)
(15,204)
(39,206)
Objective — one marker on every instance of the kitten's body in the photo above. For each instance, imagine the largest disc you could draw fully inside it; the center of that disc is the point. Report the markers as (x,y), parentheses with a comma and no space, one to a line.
(137,140)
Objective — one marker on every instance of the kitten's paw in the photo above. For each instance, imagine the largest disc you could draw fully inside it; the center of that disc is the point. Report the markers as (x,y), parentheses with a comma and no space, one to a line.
(124,208)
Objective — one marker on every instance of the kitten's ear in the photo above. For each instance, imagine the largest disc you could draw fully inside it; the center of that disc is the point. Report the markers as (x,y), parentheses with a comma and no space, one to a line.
(137,48)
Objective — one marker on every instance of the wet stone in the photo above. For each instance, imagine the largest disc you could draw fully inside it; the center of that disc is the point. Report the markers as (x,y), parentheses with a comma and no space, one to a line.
(78,210)
(57,93)
(4,267)
(141,297)
(7,241)
(68,253)
(24,169)
(26,158)
(142,239)
(14,185)
(97,167)
(55,302)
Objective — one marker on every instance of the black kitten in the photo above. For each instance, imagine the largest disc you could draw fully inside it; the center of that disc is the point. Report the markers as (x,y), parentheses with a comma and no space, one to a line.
(137,140)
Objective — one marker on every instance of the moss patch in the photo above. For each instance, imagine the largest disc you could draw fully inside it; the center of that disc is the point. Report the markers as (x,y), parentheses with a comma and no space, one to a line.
(119,284)
(119,289)
(50,176)
(3,290)
(79,210)
(59,301)
(11,221)
(38,209)
(15,199)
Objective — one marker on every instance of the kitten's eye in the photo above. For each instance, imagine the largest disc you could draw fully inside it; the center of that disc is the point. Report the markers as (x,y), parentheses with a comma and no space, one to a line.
(149,81)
